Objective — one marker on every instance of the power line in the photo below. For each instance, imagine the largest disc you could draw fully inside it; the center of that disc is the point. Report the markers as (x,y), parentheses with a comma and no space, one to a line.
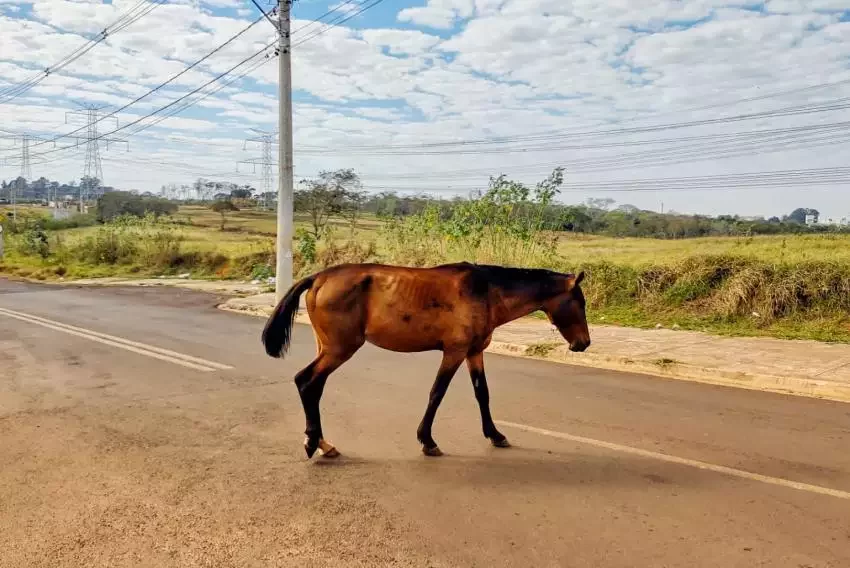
(341,19)
(779,178)
(216,78)
(253,67)
(196,63)
(174,102)
(336,8)
(169,80)
(131,16)
(836,104)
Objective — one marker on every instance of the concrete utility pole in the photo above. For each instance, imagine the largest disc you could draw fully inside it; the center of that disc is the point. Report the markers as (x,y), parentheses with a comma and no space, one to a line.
(283,269)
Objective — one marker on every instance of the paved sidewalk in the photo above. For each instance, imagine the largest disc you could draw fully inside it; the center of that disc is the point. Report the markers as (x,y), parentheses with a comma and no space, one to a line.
(806,368)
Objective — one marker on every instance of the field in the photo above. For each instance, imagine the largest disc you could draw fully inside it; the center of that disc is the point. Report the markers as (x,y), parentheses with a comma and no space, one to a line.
(782,286)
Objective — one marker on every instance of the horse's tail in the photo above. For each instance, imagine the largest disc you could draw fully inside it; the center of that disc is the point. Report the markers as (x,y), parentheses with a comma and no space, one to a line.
(278,330)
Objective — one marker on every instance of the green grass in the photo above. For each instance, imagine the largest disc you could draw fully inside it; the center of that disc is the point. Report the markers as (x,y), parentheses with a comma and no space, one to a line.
(577,249)
(782,249)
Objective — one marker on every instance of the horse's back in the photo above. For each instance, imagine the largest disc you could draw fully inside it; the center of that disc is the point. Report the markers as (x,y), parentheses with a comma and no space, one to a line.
(401,308)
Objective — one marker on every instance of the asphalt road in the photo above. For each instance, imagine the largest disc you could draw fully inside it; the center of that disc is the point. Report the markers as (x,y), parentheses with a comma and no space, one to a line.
(119,450)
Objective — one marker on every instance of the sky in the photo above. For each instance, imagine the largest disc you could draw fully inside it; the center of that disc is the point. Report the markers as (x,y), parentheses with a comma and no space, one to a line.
(686,105)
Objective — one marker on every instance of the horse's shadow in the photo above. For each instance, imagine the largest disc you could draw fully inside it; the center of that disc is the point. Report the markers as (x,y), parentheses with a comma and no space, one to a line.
(517,466)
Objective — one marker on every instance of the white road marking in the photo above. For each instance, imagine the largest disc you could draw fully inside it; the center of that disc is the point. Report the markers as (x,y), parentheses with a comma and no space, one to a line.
(134,346)
(681,461)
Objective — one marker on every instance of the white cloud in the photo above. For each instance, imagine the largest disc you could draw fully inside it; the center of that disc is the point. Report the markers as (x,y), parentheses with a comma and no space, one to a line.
(344,7)
(222,3)
(400,42)
(440,14)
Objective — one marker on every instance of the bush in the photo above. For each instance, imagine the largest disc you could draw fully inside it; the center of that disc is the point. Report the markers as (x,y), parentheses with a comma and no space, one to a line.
(160,245)
(506,225)
(127,239)
(262,272)
(118,203)
(72,222)
(306,246)
(34,242)
(111,244)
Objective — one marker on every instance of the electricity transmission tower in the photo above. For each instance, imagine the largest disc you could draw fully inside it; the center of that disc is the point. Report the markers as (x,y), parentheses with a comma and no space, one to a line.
(267,139)
(25,163)
(92,179)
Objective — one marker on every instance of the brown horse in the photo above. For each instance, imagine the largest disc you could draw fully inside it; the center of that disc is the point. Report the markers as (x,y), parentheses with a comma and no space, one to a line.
(452,308)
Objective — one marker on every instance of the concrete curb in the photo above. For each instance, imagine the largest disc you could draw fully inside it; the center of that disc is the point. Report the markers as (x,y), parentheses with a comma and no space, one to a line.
(233,288)
(810,388)
(559,353)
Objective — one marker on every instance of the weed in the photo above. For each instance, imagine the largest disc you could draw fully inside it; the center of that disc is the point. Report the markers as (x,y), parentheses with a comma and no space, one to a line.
(540,349)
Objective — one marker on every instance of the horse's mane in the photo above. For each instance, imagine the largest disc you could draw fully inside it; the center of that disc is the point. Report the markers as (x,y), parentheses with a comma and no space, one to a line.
(508,276)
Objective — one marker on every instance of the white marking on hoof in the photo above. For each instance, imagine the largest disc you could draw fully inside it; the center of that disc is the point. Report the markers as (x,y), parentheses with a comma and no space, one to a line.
(328,450)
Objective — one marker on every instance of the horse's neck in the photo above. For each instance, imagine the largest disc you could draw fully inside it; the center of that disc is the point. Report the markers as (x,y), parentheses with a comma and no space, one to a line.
(514,305)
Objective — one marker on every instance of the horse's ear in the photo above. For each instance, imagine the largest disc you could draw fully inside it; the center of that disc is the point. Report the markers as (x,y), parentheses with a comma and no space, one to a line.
(580,277)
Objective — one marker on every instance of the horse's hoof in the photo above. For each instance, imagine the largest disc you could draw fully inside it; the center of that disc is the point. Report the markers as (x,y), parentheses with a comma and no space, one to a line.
(328,450)
(432,452)
(330,453)
(503,443)
(310,448)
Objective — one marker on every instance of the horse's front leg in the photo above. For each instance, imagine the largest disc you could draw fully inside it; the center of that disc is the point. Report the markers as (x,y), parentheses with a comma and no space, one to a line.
(448,368)
(475,364)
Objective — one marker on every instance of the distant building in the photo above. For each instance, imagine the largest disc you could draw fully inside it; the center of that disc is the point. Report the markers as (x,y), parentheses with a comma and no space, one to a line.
(841,222)
(811,218)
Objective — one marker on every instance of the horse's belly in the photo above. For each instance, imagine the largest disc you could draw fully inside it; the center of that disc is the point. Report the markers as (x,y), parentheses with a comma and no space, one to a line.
(409,330)
(393,340)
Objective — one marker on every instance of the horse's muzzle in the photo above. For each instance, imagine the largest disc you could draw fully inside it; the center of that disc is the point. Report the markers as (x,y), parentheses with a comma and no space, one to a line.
(579,346)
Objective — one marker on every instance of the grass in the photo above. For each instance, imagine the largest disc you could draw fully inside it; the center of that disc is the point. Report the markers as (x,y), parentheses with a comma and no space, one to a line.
(782,249)
(795,287)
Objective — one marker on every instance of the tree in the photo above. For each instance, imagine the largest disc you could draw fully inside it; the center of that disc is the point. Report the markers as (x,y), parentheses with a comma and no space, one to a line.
(799,215)
(602,203)
(241,193)
(223,207)
(325,197)
(354,202)
(576,218)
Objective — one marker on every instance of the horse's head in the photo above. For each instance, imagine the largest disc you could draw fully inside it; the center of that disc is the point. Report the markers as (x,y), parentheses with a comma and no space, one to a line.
(566,312)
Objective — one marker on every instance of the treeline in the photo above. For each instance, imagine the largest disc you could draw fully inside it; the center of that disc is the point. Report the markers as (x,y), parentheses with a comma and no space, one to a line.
(339,194)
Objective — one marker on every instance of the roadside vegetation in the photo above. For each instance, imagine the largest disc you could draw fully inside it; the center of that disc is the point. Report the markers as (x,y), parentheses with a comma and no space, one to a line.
(793,285)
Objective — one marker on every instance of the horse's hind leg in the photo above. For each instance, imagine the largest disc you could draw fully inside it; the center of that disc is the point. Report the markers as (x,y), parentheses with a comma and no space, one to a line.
(448,368)
(311,383)
(475,363)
